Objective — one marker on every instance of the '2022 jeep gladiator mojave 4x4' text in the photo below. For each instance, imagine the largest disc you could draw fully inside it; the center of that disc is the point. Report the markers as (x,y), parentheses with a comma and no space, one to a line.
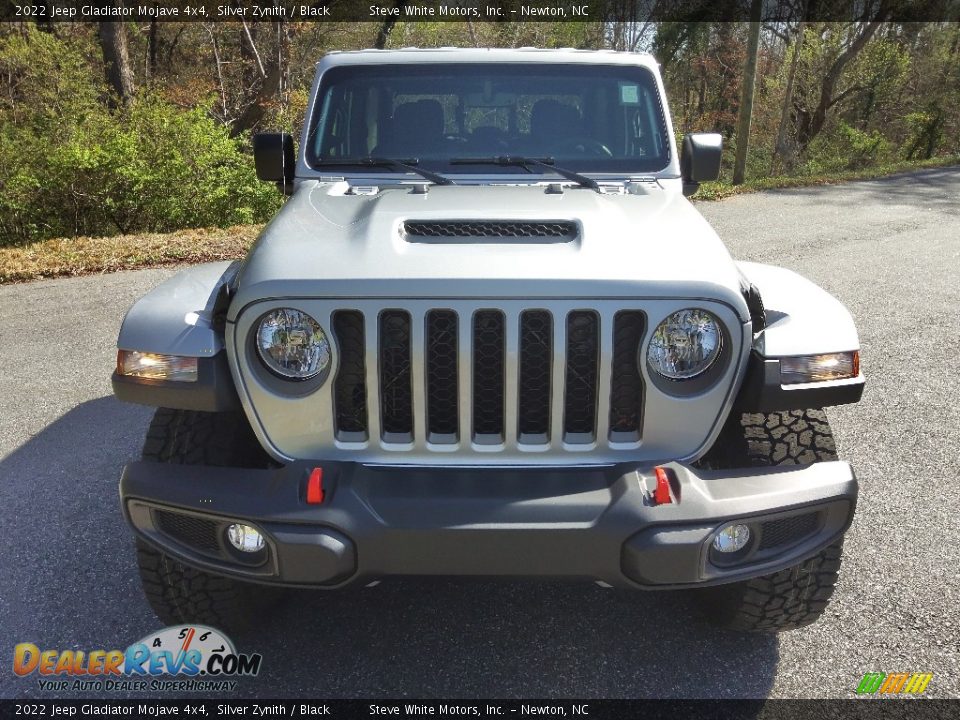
(489,335)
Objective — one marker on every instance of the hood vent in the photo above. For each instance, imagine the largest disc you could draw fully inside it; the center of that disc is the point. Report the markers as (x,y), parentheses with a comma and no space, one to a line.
(459,230)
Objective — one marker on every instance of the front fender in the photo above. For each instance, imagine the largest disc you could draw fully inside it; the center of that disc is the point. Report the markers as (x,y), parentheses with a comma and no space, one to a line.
(801,318)
(182,316)
(176,317)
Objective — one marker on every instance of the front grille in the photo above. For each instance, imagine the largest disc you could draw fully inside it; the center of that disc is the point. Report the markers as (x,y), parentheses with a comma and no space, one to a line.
(490,229)
(787,531)
(191,531)
(488,378)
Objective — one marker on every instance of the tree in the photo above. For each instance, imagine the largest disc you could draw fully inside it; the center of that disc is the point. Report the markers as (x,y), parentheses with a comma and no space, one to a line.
(811,121)
(383,34)
(779,148)
(116,59)
(746,101)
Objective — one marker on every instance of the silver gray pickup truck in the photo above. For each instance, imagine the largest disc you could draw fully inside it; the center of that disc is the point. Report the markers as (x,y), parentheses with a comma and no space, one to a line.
(489,335)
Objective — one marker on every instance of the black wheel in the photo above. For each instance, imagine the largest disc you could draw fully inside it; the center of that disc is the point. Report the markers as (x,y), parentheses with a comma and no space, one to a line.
(796,596)
(177,592)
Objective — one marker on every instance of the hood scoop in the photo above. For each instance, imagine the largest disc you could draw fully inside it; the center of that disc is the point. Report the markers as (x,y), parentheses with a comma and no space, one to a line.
(504,231)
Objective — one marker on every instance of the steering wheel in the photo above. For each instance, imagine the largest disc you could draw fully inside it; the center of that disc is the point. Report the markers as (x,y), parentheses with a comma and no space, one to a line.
(582,145)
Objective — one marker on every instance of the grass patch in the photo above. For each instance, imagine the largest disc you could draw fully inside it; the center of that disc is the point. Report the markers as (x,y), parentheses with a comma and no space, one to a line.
(87,255)
(720,190)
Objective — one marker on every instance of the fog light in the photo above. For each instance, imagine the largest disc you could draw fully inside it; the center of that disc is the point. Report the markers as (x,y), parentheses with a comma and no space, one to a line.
(245,538)
(732,538)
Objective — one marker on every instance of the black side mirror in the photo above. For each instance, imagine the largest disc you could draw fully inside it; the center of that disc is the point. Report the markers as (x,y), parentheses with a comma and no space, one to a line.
(700,159)
(274,159)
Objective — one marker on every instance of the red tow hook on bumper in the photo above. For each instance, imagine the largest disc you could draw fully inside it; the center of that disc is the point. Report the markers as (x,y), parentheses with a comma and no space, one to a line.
(661,493)
(315,492)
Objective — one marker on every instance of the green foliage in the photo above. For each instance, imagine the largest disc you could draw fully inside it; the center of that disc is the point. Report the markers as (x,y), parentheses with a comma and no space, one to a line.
(71,166)
(926,131)
(847,149)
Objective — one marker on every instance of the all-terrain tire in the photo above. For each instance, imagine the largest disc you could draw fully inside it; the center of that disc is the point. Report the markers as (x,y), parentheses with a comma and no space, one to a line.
(786,437)
(784,600)
(189,437)
(177,592)
(798,595)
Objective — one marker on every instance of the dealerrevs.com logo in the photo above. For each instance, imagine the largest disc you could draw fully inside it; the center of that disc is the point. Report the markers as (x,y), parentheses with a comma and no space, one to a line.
(187,657)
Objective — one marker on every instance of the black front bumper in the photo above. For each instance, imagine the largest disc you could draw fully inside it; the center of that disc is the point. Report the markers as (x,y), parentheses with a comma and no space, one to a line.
(593,523)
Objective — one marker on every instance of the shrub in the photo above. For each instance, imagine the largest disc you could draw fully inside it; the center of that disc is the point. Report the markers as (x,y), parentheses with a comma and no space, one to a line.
(70,166)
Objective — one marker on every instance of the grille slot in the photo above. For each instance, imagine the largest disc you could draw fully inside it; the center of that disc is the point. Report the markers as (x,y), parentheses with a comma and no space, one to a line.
(789,530)
(441,364)
(488,376)
(626,385)
(536,354)
(350,386)
(396,396)
(559,229)
(193,532)
(580,401)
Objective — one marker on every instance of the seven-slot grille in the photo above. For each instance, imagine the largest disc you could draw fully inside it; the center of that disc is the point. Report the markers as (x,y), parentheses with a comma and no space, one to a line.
(529,378)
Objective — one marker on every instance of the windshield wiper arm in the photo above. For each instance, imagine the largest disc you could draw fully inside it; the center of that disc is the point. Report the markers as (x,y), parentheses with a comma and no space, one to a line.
(526,162)
(408,165)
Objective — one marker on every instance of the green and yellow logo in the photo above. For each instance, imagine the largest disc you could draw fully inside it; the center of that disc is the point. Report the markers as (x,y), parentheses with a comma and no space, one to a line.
(894,683)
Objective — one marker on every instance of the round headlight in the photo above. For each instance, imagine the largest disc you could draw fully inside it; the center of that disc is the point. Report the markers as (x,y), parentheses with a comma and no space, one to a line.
(686,344)
(292,344)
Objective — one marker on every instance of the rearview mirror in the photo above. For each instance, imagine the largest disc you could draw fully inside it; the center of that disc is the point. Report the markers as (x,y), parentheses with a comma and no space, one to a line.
(700,159)
(274,159)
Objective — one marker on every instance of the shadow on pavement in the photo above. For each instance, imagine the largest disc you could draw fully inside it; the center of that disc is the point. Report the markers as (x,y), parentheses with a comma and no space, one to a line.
(930,189)
(70,582)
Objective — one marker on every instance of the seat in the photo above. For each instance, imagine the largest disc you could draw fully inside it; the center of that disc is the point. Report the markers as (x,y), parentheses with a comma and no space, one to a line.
(552,120)
(416,128)
(487,140)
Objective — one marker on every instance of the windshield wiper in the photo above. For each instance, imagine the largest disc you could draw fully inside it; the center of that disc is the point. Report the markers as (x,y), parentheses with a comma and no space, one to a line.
(526,162)
(407,165)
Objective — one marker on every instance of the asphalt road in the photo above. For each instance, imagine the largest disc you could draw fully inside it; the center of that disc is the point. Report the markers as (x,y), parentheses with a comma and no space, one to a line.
(889,249)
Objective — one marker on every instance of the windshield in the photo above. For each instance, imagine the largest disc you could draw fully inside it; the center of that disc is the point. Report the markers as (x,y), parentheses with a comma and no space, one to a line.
(589,118)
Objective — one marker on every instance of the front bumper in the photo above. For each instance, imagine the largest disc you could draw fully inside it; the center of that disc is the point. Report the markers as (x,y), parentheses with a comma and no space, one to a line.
(594,523)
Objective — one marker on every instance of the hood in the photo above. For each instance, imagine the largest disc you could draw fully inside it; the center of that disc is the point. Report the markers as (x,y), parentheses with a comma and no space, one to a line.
(330,240)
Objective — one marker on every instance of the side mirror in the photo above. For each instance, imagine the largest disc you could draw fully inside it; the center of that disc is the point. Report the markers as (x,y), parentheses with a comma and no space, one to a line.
(700,159)
(274,159)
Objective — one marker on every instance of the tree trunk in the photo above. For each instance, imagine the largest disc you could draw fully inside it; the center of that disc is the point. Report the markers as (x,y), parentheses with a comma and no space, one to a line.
(152,50)
(746,98)
(116,60)
(255,111)
(779,150)
(271,84)
(387,27)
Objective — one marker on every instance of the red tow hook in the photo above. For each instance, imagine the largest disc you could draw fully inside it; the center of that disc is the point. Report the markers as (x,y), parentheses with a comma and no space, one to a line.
(661,494)
(315,492)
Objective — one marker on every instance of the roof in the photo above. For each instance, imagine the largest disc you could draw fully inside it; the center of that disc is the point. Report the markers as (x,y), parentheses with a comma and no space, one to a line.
(470,55)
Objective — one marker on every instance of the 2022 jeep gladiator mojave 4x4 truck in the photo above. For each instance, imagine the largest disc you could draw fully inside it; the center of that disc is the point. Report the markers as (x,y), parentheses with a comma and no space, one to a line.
(488,335)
